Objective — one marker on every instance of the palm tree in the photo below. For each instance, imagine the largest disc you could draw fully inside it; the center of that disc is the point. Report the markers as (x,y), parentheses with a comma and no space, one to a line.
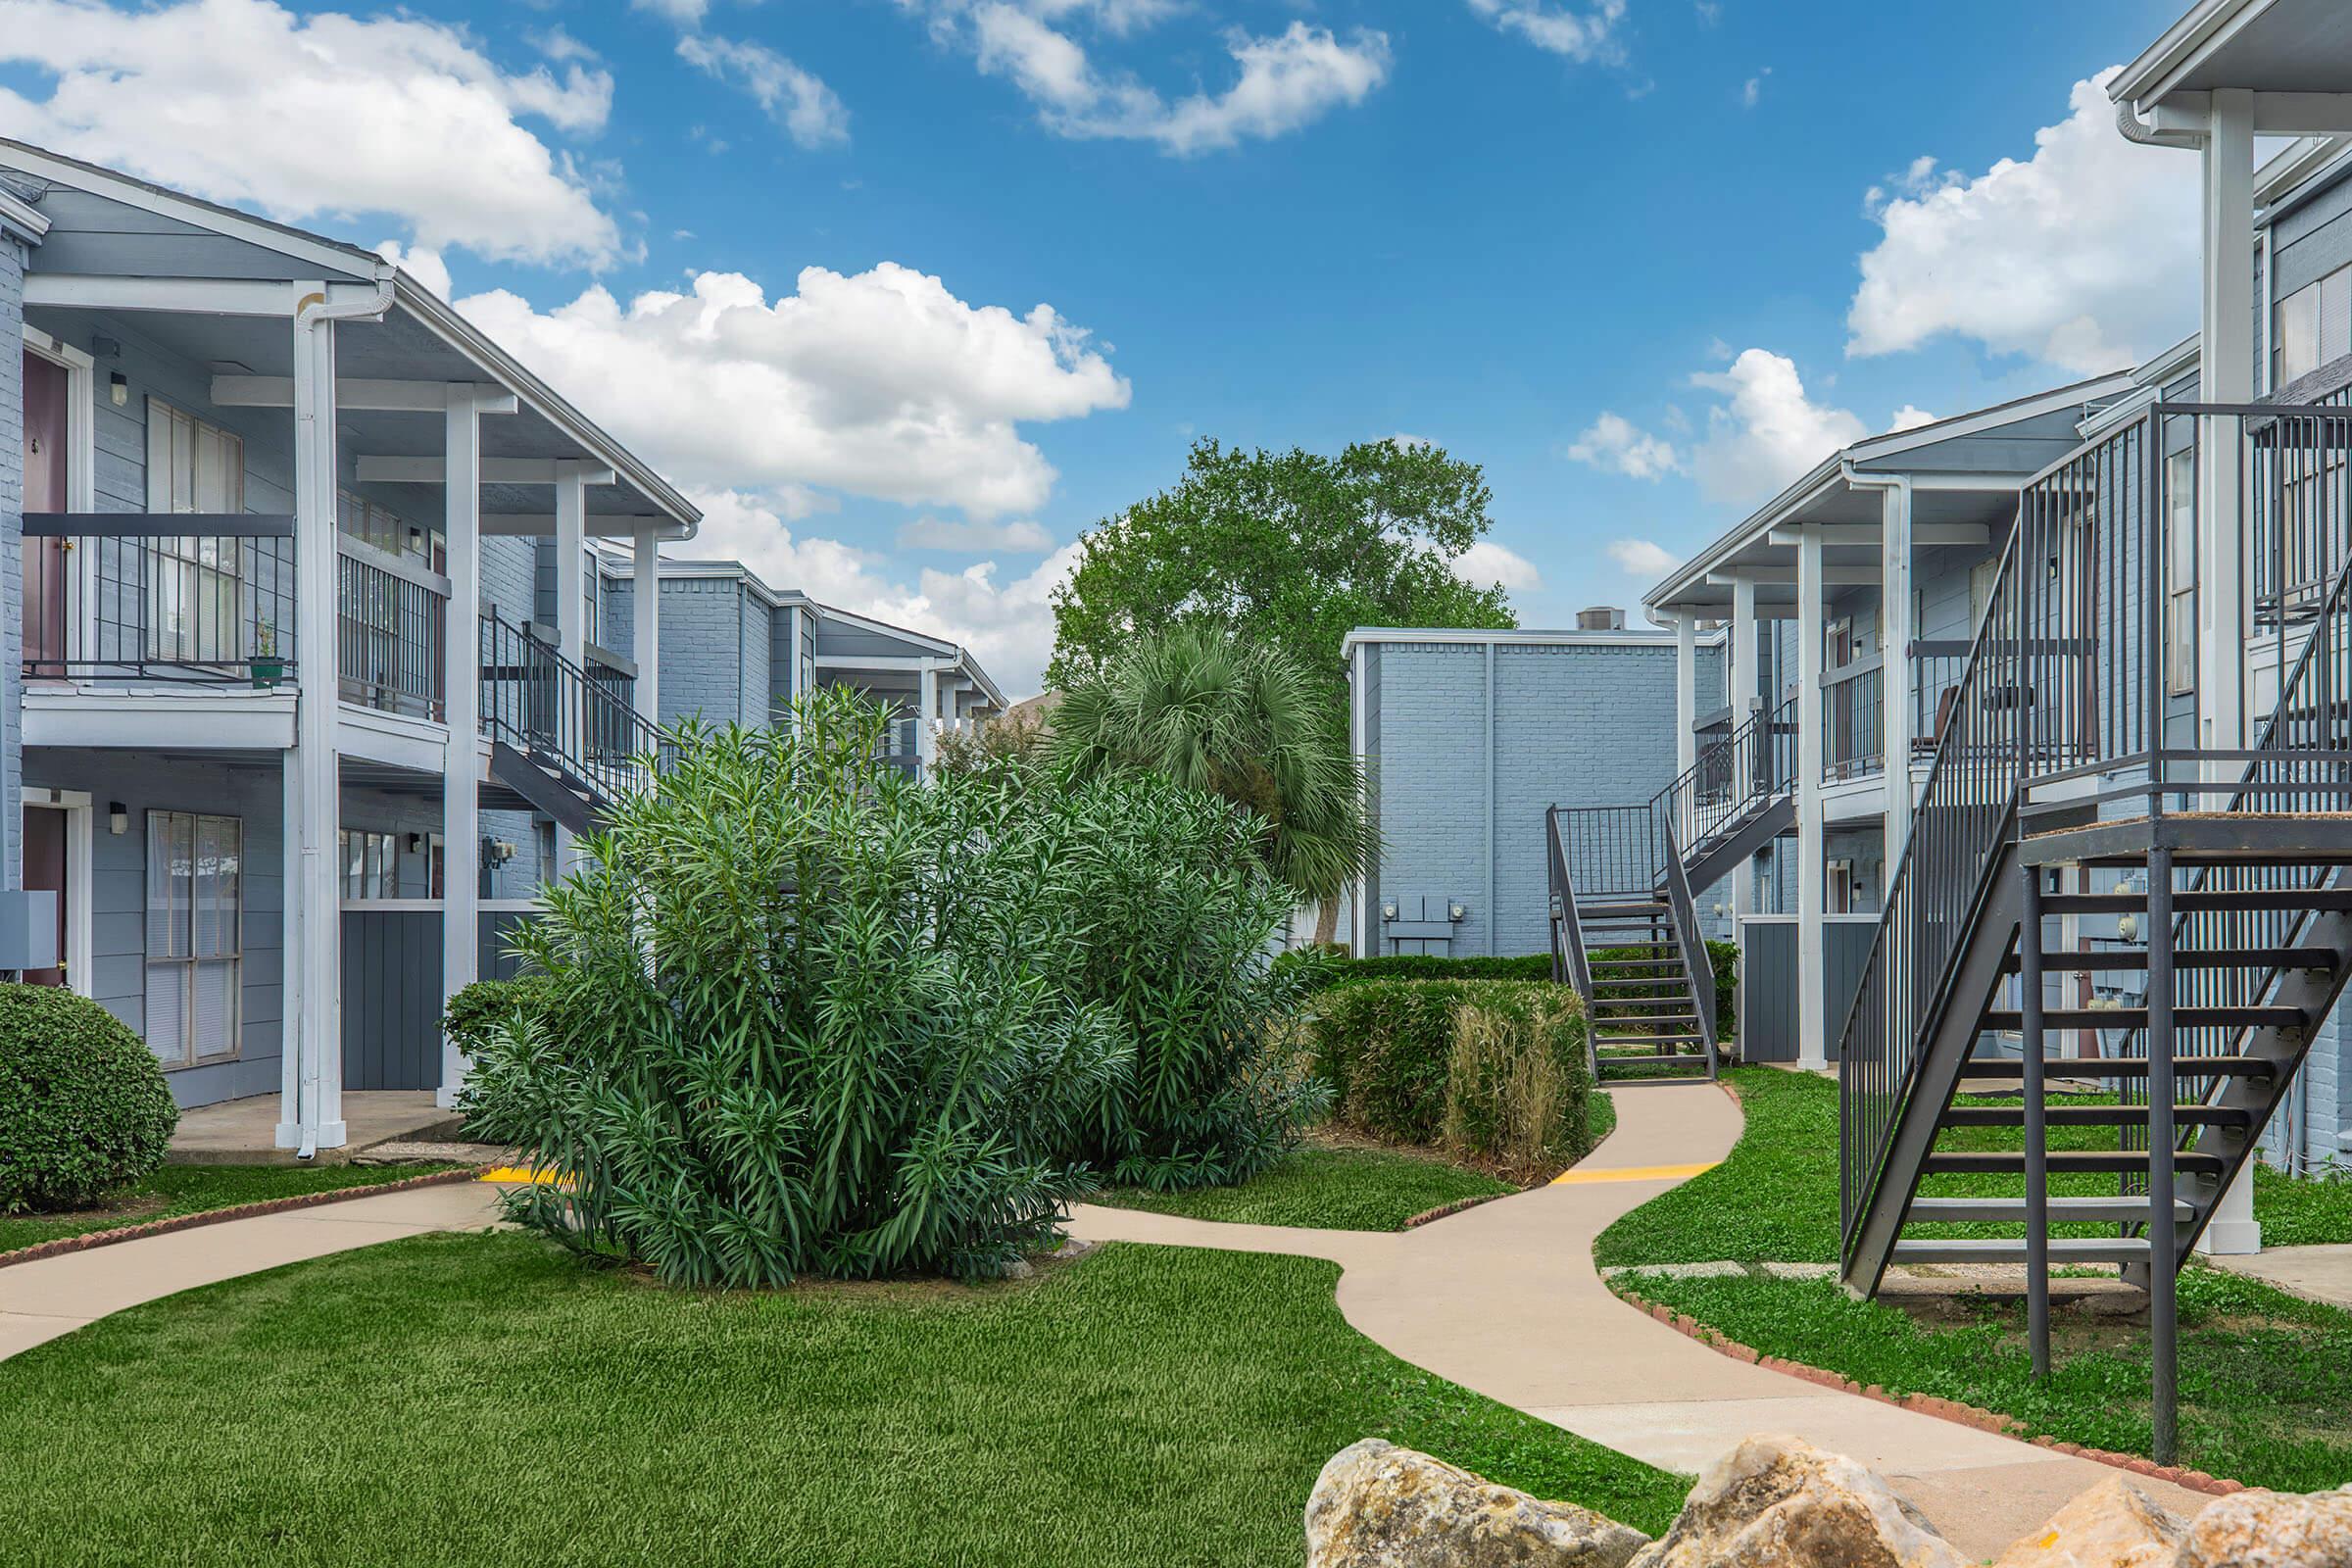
(1238,720)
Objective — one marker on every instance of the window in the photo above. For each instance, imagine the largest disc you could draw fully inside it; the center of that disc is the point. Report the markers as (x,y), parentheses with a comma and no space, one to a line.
(358,517)
(195,589)
(195,936)
(2181,547)
(1981,579)
(370,864)
(2313,327)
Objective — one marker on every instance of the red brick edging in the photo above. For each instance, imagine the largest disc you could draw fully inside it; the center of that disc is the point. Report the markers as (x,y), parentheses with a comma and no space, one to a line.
(214,1217)
(1967,1416)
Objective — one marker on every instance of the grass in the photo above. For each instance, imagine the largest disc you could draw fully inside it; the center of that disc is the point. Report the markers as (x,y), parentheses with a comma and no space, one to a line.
(1347,1187)
(2265,1378)
(176,1190)
(487,1400)
(2301,1211)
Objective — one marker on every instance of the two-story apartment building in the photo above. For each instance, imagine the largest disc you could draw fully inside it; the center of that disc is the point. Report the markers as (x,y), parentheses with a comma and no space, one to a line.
(299,677)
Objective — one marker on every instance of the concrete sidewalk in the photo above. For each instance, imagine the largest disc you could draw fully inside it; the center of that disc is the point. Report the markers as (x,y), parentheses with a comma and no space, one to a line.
(1503,1298)
(54,1296)
(2320,1273)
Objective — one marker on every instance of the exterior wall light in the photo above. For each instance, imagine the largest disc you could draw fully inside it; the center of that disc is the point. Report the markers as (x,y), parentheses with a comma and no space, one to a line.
(1388,908)
(1456,912)
(118,819)
(117,387)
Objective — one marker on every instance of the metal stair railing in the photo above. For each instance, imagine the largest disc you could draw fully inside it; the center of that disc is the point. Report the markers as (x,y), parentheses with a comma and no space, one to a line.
(546,707)
(1732,778)
(2058,684)
(1570,964)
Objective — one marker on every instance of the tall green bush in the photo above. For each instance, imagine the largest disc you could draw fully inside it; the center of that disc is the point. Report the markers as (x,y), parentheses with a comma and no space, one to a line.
(798,1014)
(1487,1069)
(1722,956)
(84,1107)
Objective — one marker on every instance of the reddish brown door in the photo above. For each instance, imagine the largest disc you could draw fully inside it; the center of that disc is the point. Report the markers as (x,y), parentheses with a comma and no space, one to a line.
(45,490)
(45,872)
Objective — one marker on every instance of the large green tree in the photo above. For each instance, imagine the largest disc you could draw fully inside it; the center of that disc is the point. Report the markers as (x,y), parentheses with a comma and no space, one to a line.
(1290,548)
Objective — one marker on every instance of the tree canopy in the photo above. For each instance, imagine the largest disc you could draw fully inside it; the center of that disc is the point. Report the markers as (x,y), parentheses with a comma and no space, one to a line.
(1293,548)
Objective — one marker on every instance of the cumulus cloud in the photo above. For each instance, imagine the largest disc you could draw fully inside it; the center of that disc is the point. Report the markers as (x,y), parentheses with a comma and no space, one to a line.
(938,533)
(320,117)
(1616,445)
(1486,563)
(879,384)
(682,12)
(1282,81)
(420,263)
(1586,37)
(2084,254)
(1910,417)
(811,113)
(1640,558)
(1767,431)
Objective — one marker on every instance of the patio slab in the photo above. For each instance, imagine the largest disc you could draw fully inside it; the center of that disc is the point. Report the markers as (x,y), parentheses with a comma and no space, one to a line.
(244,1132)
(2321,1274)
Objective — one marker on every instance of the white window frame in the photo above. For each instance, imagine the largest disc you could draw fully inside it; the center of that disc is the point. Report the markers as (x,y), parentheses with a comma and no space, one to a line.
(2181,588)
(195,570)
(191,963)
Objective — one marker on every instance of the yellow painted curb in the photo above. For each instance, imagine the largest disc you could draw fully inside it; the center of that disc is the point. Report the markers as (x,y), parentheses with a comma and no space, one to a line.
(1632,1174)
(521,1176)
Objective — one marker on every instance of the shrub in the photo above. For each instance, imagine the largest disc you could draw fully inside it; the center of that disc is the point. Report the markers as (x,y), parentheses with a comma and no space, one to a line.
(1724,956)
(794,1021)
(1491,1069)
(480,1009)
(84,1107)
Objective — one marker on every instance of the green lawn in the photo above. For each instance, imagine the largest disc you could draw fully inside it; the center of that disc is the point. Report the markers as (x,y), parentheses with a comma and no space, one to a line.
(177,1190)
(2299,1213)
(1349,1188)
(2266,1378)
(488,1400)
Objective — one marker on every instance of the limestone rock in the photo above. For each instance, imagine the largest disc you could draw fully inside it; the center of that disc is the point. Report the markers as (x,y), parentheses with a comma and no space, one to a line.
(2272,1530)
(1377,1505)
(2113,1525)
(1780,1503)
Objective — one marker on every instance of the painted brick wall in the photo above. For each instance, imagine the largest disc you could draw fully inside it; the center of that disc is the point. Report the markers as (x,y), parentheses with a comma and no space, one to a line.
(1561,736)
(702,632)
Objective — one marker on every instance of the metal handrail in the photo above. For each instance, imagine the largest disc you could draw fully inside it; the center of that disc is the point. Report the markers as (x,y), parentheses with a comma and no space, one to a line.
(1698,963)
(544,704)
(1754,765)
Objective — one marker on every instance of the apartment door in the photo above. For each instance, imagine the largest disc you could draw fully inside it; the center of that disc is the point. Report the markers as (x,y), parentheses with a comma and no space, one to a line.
(45,872)
(46,489)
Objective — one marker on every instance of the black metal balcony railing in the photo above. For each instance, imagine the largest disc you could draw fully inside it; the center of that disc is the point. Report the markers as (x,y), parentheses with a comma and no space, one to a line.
(390,629)
(1744,768)
(199,608)
(1853,717)
(2065,684)
(542,704)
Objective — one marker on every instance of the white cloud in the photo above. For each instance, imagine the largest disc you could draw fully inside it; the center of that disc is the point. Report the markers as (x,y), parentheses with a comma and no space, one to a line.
(683,13)
(1910,416)
(1751,92)
(808,110)
(938,533)
(1768,431)
(1487,562)
(2084,254)
(1615,443)
(1640,558)
(1588,36)
(1285,82)
(420,263)
(880,384)
(319,118)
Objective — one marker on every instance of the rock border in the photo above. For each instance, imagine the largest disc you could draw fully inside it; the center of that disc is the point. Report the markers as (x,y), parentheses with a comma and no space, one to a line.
(1952,1410)
(58,1247)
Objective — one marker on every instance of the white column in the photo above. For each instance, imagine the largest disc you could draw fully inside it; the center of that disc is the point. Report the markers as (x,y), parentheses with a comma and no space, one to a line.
(461,769)
(926,715)
(314,937)
(291,1085)
(1685,690)
(2225,375)
(1898,670)
(1812,990)
(645,625)
(571,641)
(1747,702)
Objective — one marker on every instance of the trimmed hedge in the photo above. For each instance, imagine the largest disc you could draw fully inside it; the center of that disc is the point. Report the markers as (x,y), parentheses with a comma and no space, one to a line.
(84,1107)
(1724,956)
(486,1004)
(1491,1069)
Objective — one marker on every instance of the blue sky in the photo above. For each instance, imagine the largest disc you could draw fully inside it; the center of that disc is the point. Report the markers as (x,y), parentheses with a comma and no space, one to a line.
(1643,259)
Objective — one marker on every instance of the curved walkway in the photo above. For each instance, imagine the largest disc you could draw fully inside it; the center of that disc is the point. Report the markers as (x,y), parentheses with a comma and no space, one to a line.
(1503,1298)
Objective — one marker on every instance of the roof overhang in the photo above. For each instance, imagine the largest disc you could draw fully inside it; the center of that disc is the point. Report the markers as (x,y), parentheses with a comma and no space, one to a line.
(2295,56)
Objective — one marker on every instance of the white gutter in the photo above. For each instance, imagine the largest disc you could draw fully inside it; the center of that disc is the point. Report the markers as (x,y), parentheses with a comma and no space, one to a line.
(2135,128)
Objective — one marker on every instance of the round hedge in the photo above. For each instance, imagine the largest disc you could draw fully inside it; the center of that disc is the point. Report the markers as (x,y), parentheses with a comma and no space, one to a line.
(83,1107)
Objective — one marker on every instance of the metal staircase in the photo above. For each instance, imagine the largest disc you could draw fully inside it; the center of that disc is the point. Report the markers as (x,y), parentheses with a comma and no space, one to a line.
(564,743)
(2081,907)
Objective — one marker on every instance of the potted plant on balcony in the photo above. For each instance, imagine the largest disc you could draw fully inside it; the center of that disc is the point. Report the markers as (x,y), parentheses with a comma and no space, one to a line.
(266,666)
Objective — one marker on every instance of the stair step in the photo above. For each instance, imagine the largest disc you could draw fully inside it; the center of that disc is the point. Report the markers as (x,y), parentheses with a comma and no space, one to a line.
(2125,1068)
(2012,1211)
(1688,1038)
(2011,1250)
(1679,1059)
(2225,959)
(2138,1018)
(1587,913)
(2195,899)
(2071,1161)
(2099,1115)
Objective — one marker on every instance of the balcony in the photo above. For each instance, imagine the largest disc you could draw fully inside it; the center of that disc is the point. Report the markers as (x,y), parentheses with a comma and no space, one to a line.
(217,609)
(1853,710)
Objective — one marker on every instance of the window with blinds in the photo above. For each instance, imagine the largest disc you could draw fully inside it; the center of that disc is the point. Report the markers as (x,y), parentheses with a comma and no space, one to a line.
(195,936)
(2312,327)
(195,584)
